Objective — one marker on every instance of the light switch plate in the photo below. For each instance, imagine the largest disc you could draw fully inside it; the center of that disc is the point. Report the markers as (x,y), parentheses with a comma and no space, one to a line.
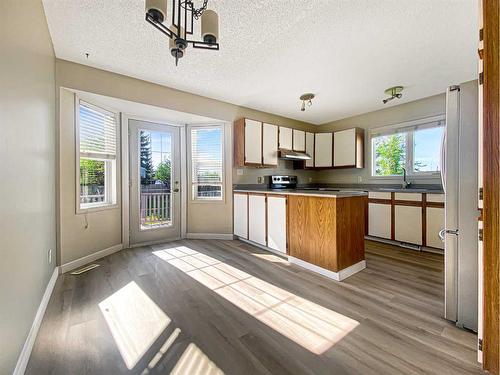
(239,172)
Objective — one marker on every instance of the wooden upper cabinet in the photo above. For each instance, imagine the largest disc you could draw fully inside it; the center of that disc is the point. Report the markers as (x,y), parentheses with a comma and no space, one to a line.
(323,144)
(299,140)
(285,138)
(310,150)
(348,148)
(269,145)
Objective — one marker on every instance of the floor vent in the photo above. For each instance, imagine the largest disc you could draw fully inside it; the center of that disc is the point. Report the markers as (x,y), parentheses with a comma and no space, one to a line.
(84,269)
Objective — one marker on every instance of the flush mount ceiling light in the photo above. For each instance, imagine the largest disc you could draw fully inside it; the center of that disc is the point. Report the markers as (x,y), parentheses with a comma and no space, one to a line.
(393,92)
(306,98)
(181,29)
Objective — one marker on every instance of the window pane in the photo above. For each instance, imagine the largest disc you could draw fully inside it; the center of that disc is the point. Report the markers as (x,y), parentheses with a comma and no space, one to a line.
(206,168)
(426,149)
(156,179)
(92,181)
(389,154)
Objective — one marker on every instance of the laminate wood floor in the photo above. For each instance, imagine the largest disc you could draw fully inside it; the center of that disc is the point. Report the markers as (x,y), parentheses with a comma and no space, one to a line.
(211,307)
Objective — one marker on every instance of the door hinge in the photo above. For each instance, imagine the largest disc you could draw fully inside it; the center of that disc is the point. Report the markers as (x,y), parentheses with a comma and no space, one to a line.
(480,234)
(480,344)
(480,194)
(481,78)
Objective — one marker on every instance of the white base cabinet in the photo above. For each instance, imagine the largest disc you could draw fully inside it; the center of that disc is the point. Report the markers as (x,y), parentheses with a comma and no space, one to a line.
(435,222)
(240,215)
(379,220)
(276,223)
(257,219)
(408,224)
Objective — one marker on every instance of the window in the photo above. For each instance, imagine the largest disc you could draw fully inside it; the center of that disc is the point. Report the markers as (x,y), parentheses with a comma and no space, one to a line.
(207,162)
(96,147)
(414,147)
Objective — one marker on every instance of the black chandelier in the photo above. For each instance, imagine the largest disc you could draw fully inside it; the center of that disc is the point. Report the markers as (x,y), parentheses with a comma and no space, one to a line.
(181,29)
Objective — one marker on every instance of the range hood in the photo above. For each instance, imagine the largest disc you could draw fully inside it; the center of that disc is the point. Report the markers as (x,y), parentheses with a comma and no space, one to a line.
(293,155)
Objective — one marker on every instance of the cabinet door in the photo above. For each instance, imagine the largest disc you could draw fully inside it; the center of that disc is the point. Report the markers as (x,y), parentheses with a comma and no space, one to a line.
(240,215)
(323,150)
(269,144)
(434,222)
(285,139)
(253,142)
(310,149)
(299,140)
(379,220)
(257,218)
(276,223)
(408,224)
(344,148)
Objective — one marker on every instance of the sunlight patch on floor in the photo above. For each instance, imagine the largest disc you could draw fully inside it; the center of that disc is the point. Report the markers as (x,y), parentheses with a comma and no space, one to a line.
(194,362)
(134,320)
(308,324)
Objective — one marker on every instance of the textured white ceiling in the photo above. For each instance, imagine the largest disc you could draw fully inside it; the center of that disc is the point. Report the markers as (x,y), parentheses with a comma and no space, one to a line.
(347,52)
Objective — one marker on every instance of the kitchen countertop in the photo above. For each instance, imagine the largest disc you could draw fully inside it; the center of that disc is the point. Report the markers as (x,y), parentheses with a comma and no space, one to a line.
(308,192)
(318,188)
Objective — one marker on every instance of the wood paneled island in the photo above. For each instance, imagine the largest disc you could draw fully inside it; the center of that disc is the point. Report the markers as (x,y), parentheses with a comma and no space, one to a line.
(324,231)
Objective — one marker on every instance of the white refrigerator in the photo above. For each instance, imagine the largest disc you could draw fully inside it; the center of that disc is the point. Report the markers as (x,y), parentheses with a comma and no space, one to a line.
(459,177)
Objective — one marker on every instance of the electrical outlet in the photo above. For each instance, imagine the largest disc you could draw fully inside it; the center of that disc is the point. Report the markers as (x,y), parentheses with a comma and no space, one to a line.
(50,256)
(260,180)
(239,172)
(310,179)
(360,179)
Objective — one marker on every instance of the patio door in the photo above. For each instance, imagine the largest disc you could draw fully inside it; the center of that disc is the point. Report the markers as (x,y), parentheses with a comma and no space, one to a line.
(154,170)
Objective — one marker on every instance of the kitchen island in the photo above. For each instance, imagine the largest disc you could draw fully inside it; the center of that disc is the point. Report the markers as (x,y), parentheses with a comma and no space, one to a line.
(322,231)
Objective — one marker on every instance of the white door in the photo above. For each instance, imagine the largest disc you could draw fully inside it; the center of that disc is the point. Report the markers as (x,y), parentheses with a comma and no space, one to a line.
(323,150)
(269,144)
(257,218)
(240,215)
(276,223)
(253,142)
(154,168)
(344,148)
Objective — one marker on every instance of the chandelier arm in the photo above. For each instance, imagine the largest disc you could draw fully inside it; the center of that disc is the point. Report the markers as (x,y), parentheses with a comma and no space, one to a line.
(164,29)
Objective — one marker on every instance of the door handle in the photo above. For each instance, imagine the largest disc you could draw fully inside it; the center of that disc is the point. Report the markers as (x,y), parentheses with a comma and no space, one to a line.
(441,234)
(449,231)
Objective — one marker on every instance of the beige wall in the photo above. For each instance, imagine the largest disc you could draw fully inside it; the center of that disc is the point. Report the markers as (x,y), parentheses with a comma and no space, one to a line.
(83,234)
(27,164)
(427,107)
(105,226)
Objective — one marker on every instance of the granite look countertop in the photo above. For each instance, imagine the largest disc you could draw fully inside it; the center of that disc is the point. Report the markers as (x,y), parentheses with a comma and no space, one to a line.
(349,188)
(308,192)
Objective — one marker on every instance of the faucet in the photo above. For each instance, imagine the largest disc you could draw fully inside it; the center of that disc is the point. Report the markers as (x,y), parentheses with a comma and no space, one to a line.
(404,183)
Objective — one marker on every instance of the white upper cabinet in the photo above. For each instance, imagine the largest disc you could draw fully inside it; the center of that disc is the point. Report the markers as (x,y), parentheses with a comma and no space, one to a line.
(310,149)
(323,149)
(348,148)
(285,138)
(299,140)
(269,145)
(253,142)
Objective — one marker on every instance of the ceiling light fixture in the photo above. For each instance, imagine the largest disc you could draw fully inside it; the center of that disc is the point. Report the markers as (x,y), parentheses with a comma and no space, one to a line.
(183,15)
(306,98)
(393,92)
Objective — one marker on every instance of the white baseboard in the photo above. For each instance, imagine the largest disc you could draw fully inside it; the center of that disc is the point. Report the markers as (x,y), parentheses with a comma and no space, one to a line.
(209,236)
(24,356)
(337,276)
(277,252)
(90,258)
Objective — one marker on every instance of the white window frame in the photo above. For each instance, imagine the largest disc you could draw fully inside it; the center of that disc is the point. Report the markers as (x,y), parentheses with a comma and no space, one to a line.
(110,176)
(193,198)
(392,129)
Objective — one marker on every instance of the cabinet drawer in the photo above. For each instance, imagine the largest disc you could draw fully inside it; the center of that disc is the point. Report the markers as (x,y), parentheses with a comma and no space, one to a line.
(435,198)
(414,197)
(379,195)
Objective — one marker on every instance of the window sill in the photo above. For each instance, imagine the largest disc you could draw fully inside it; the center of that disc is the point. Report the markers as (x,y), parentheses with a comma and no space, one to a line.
(103,207)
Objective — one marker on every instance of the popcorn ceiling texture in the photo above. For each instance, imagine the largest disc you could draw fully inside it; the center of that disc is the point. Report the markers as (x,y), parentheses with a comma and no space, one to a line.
(347,52)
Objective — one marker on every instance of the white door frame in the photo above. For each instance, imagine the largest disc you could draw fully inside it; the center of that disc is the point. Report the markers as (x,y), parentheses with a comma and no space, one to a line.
(125,180)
